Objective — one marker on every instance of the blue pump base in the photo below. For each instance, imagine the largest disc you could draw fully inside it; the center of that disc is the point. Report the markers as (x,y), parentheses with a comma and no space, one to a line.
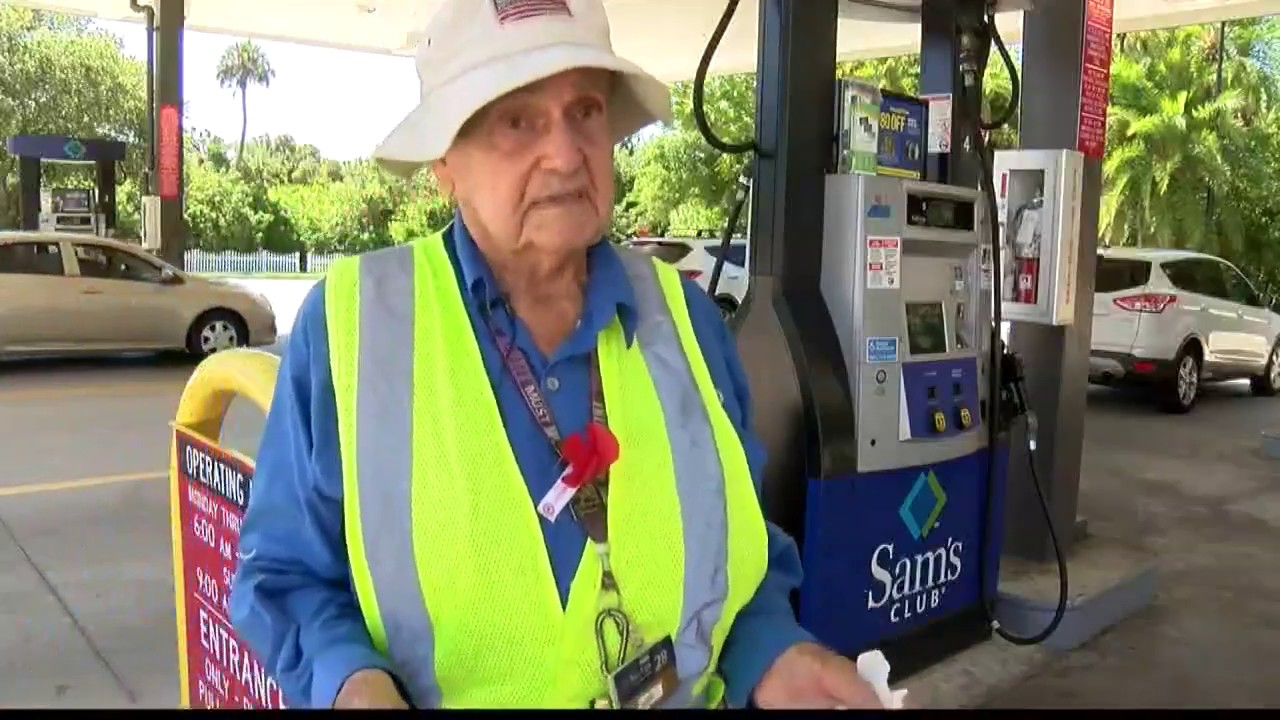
(903,560)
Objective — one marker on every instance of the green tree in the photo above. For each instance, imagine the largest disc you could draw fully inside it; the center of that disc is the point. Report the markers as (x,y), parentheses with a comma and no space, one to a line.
(244,64)
(59,76)
(1171,135)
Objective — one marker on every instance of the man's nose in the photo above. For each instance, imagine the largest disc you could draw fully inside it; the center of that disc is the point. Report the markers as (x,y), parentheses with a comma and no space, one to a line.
(562,148)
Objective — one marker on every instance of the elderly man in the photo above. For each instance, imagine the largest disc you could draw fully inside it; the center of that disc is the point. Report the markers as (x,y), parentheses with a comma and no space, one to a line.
(442,402)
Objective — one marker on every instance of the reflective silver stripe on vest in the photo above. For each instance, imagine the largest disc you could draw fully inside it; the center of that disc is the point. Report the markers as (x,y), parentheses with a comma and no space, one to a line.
(384,459)
(699,476)
(384,449)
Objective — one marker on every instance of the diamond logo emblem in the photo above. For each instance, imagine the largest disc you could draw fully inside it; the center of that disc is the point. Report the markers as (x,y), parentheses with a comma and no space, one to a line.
(74,149)
(922,506)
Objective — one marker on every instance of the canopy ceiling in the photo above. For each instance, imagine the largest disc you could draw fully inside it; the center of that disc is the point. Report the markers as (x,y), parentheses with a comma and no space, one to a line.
(664,36)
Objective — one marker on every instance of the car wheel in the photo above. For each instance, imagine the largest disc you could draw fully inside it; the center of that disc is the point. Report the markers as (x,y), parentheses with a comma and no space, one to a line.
(728,306)
(1268,383)
(1180,394)
(215,331)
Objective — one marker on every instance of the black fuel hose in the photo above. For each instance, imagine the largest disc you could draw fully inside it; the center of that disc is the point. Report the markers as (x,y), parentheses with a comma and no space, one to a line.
(996,388)
(704,128)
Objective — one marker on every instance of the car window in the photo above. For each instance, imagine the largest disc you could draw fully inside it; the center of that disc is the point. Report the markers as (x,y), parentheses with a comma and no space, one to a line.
(105,263)
(666,251)
(737,254)
(1240,288)
(1203,277)
(1182,274)
(31,258)
(1212,278)
(1117,274)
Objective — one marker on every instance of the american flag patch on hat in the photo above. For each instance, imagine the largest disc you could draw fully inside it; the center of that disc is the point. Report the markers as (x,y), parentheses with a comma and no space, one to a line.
(513,10)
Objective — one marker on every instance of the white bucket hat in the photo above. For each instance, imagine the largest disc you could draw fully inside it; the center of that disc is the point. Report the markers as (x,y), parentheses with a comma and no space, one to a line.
(475,51)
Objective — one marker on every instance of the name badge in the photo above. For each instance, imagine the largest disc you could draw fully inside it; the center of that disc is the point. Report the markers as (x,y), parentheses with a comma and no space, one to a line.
(646,680)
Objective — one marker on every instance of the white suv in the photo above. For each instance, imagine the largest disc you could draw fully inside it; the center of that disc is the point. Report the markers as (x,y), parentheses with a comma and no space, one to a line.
(695,258)
(1172,318)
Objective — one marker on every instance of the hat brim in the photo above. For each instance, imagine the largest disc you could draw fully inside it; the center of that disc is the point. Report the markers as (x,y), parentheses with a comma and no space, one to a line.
(430,128)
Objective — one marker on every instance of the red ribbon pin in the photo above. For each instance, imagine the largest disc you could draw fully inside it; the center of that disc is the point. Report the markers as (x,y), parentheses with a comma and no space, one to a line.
(588,455)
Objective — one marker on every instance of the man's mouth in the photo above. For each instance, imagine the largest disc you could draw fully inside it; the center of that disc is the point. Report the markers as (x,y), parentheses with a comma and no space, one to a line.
(559,199)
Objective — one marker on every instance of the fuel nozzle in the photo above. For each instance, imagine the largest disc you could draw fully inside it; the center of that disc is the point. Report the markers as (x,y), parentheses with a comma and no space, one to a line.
(975,47)
(970,47)
(1013,401)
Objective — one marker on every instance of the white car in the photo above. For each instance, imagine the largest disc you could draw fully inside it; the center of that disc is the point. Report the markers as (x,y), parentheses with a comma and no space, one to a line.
(1171,319)
(695,258)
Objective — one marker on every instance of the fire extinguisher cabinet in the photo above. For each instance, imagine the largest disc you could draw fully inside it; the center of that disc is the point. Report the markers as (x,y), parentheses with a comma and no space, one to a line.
(1038,195)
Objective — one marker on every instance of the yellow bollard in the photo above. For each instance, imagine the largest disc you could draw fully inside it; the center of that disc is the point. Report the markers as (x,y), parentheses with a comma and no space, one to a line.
(208,490)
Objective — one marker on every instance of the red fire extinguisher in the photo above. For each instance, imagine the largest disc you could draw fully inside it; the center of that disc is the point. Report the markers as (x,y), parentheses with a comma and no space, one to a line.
(1026,252)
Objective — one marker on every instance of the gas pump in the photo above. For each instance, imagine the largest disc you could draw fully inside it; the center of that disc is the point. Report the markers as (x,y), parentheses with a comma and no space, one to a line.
(67,209)
(71,210)
(897,545)
(899,513)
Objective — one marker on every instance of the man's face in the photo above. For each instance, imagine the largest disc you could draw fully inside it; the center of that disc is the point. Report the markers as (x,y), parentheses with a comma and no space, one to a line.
(535,167)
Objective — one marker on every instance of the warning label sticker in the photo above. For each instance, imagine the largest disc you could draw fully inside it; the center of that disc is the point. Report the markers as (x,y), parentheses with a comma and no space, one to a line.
(884,262)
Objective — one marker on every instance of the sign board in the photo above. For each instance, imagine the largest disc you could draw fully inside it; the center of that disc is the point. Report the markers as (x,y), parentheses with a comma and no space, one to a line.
(168,153)
(211,487)
(884,260)
(1095,78)
(903,136)
(939,112)
(882,349)
(912,559)
(858,127)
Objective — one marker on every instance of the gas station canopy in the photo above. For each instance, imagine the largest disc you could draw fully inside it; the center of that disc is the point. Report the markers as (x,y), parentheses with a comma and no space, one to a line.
(666,37)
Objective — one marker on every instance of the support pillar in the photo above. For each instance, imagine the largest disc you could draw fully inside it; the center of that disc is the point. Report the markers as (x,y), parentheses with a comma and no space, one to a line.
(29,171)
(1056,358)
(105,172)
(170,18)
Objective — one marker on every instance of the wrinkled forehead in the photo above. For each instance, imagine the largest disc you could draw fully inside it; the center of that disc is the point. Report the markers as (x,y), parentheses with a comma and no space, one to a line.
(561,89)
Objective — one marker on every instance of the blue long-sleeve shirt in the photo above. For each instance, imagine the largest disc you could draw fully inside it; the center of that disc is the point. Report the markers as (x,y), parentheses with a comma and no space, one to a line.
(293,600)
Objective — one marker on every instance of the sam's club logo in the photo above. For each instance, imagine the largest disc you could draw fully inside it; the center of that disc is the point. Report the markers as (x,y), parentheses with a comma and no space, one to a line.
(73,150)
(911,584)
(922,506)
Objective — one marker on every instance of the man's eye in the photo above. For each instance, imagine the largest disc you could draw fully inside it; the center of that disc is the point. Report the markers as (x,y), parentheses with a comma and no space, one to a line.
(516,123)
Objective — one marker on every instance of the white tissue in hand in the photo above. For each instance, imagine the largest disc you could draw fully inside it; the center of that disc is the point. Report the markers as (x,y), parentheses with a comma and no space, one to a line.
(874,669)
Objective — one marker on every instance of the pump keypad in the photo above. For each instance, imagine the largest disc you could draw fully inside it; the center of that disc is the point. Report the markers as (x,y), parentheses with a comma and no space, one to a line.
(941,398)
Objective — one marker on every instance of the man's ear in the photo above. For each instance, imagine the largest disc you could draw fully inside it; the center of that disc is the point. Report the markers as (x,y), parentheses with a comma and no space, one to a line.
(444,176)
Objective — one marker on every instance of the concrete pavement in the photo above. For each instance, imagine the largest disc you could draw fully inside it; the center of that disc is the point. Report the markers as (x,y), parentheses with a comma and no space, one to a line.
(1197,491)
(86,606)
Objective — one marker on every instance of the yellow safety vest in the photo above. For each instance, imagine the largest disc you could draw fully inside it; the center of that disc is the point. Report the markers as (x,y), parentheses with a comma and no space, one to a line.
(446,551)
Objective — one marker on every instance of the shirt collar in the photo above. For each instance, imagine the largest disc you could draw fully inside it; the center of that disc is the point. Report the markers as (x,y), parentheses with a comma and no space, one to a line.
(608,294)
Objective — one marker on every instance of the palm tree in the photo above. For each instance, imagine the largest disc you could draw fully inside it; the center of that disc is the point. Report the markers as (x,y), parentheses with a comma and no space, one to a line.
(244,64)
(1172,135)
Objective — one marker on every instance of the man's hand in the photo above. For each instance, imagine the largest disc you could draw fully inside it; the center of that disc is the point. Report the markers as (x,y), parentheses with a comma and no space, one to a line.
(809,677)
(369,690)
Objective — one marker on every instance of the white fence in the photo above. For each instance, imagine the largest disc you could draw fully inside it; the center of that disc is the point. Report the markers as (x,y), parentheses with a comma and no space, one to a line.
(254,263)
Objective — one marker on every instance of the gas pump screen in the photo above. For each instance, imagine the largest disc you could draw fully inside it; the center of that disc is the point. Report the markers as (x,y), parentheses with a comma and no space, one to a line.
(71,201)
(939,213)
(926,328)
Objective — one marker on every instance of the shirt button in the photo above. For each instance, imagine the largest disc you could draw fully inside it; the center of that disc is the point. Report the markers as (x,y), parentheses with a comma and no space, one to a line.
(553,383)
